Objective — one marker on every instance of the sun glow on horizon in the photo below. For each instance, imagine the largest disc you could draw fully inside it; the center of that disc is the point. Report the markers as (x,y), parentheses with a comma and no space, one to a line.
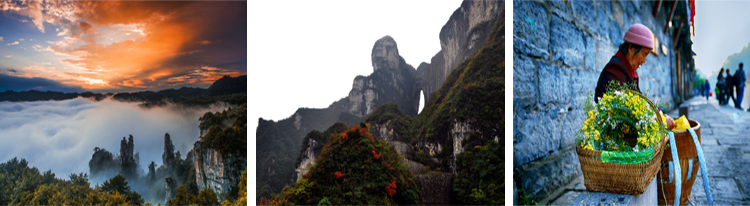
(124,45)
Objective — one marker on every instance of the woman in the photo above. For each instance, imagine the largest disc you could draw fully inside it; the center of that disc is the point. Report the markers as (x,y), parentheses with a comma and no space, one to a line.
(621,69)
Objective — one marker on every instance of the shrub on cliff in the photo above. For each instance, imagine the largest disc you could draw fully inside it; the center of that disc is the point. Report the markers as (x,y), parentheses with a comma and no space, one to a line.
(229,140)
(400,122)
(480,180)
(354,168)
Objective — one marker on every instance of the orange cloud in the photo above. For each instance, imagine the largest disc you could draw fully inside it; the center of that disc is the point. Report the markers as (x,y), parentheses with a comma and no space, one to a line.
(129,44)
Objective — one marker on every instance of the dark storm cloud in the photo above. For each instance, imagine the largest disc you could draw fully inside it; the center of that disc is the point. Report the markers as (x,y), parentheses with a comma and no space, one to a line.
(15,83)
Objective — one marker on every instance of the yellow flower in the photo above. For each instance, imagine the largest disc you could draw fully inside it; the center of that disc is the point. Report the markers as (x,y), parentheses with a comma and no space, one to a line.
(588,147)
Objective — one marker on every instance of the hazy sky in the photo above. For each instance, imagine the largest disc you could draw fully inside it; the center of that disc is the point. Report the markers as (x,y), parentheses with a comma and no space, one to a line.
(61,135)
(722,28)
(307,53)
(120,46)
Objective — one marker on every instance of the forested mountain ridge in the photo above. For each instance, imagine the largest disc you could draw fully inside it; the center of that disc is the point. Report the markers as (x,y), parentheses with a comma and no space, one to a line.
(468,31)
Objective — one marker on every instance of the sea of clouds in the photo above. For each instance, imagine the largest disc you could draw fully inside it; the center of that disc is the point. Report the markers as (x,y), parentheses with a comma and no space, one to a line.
(61,135)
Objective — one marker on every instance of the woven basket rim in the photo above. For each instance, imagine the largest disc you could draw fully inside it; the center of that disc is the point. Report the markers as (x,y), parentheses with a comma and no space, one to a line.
(598,153)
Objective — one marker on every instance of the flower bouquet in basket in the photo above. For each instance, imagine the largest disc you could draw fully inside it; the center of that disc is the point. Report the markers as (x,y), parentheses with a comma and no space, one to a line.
(620,145)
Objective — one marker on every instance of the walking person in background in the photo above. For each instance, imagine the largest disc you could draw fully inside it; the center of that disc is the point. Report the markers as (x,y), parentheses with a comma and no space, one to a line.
(707,88)
(729,88)
(720,83)
(739,84)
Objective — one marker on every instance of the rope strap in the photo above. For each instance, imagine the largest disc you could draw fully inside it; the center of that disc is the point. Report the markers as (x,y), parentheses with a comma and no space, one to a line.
(704,171)
(677,171)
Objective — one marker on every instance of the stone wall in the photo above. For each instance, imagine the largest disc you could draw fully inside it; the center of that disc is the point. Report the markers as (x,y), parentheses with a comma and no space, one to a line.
(559,50)
(436,188)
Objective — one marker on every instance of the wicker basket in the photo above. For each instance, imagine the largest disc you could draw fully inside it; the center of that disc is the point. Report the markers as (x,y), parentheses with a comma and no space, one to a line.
(686,150)
(617,178)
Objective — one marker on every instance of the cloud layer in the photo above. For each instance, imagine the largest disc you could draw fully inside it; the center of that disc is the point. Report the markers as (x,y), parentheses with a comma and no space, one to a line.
(131,45)
(9,82)
(62,135)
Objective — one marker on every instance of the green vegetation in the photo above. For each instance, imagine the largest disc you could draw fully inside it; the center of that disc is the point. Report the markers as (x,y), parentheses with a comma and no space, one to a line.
(208,197)
(241,193)
(480,179)
(21,185)
(205,197)
(231,140)
(118,185)
(278,145)
(400,122)
(354,168)
(474,92)
(321,138)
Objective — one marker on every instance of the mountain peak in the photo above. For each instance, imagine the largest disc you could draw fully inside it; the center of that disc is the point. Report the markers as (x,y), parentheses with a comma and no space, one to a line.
(385,54)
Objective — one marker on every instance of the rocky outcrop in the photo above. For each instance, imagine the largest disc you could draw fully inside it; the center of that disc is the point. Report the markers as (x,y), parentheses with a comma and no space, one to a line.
(168,157)
(307,159)
(392,80)
(214,171)
(384,131)
(385,54)
(128,164)
(436,188)
(463,34)
(103,164)
(168,186)
(402,149)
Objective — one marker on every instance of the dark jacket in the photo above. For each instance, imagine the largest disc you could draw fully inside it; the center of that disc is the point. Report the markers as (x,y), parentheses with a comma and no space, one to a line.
(729,80)
(739,78)
(618,70)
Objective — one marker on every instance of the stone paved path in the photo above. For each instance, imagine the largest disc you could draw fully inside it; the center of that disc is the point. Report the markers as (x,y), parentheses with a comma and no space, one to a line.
(725,134)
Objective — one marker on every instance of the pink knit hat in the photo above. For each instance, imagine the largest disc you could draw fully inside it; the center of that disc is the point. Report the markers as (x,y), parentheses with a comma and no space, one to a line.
(640,35)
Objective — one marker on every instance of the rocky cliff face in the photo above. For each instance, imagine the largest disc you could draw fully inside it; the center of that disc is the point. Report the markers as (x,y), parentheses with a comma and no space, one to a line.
(127,158)
(392,80)
(462,35)
(219,156)
(215,172)
(168,157)
(306,159)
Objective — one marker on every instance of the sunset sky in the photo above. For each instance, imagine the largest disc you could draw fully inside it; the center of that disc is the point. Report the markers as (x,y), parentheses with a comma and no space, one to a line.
(110,46)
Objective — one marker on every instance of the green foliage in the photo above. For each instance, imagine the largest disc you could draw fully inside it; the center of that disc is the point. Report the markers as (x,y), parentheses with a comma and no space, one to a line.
(324,202)
(279,144)
(355,168)
(321,138)
(474,92)
(21,185)
(118,185)
(400,122)
(181,198)
(228,139)
(524,199)
(205,197)
(480,180)
(241,193)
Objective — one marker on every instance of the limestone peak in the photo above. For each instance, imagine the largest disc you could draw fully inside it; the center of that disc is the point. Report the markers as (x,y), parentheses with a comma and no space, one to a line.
(385,54)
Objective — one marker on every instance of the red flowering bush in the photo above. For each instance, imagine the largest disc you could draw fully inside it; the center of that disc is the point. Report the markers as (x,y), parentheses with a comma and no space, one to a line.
(365,170)
(338,175)
(391,189)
